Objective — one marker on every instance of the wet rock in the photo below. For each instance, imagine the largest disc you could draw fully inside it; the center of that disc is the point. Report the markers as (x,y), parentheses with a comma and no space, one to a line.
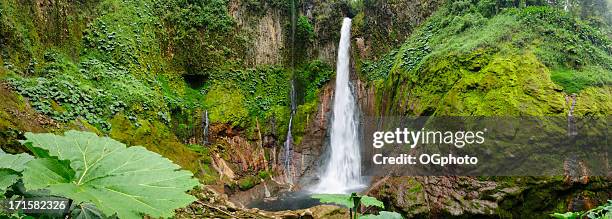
(310,149)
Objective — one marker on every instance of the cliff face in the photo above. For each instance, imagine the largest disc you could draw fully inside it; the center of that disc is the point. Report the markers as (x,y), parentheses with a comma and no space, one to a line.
(465,62)
(377,26)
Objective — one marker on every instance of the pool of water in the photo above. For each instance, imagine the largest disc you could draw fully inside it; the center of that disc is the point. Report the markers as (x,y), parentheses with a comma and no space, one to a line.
(286,201)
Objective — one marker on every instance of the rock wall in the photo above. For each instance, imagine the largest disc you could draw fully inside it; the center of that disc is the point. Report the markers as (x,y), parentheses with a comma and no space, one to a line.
(376,23)
(309,152)
(267,32)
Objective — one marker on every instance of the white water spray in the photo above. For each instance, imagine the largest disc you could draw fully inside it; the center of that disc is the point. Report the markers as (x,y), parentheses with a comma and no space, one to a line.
(289,153)
(343,169)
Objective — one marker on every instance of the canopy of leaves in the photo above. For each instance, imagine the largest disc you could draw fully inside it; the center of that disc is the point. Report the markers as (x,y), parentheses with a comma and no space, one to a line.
(126,181)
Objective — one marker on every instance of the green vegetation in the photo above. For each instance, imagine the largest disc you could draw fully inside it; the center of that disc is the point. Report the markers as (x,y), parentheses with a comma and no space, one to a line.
(310,77)
(226,105)
(101,171)
(574,81)
(497,58)
(144,72)
(95,91)
(461,62)
(248,182)
(304,33)
(11,167)
(264,174)
(600,212)
(199,34)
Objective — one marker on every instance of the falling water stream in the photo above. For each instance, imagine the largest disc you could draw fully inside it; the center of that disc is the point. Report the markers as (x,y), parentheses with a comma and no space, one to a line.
(287,165)
(206,125)
(289,152)
(342,172)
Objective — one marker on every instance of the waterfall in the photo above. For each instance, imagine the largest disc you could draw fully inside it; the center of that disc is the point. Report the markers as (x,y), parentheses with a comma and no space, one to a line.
(205,131)
(289,152)
(289,142)
(342,172)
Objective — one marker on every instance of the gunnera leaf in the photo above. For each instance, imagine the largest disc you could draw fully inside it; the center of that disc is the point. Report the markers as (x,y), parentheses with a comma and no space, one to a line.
(15,162)
(124,181)
(371,201)
(345,200)
(10,167)
(86,211)
(339,199)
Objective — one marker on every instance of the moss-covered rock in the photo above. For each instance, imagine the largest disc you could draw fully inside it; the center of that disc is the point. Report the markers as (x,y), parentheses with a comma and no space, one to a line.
(226,105)
(154,136)
(521,61)
(248,182)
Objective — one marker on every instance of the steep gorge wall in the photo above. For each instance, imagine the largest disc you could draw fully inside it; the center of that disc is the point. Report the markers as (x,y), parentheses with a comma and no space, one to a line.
(453,65)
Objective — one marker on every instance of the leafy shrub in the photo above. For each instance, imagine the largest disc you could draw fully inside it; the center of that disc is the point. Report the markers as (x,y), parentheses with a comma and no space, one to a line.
(573,81)
(304,32)
(264,174)
(123,181)
(96,92)
(309,78)
(247,182)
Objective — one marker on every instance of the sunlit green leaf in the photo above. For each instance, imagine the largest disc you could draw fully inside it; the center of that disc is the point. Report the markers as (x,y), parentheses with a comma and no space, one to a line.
(10,167)
(339,199)
(126,181)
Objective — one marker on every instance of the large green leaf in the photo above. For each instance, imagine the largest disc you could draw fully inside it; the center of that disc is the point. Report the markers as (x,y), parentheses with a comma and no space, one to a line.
(86,211)
(7,178)
(10,166)
(126,181)
(345,200)
(371,201)
(15,162)
(567,215)
(339,199)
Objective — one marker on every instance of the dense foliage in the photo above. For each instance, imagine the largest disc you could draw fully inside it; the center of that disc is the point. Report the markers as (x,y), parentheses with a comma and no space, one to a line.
(146,72)
(200,34)
(448,63)
(94,91)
